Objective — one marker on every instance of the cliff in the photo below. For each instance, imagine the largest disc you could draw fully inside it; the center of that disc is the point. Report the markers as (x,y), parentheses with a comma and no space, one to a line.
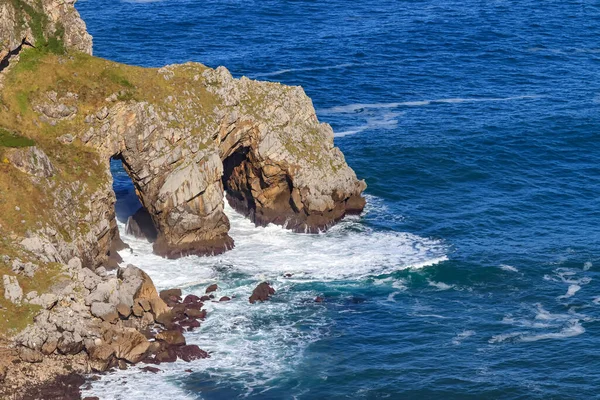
(186,134)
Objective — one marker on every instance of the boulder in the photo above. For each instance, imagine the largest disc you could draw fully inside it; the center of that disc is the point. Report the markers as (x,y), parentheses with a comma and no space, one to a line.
(31,160)
(171,296)
(107,312)
(190,298)
(262,293)
(100,357)
(225,298)
(211,288)
(70,343)
(193,313)
(191,352)
(124,310)
(171,338)
(166,355)
(30,356)
(12,289)
(130,345)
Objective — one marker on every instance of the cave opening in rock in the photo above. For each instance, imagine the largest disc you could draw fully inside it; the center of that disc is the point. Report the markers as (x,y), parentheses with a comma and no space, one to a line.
(237,170)
(129,209)
(262,192)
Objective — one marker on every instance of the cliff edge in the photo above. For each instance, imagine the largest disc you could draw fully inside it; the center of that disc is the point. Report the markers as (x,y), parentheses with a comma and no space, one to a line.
(188,136)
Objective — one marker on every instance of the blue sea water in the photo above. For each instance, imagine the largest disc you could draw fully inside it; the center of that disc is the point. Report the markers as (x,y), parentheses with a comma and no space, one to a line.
(474,272)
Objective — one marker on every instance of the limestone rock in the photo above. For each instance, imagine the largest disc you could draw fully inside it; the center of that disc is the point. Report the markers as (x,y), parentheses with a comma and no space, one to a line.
(30,356)
(12,290)
(105,311)
(172,338)
(16,23)
(31,160)
(130,345)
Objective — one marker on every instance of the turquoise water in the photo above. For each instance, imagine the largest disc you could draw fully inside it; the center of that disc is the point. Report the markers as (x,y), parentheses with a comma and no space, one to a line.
(474,271)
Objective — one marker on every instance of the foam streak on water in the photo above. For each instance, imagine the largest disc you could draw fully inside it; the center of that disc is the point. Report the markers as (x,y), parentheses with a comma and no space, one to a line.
(254,344)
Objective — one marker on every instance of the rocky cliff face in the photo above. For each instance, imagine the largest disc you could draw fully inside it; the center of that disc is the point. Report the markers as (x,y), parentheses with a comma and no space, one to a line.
(44,23)
(188,136)
(259,141)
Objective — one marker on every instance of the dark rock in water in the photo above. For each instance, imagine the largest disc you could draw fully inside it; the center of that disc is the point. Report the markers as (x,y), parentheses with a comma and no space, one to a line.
(193,313)
(191,352)
(319,299)
(194,306)
(205,298)
(65,387)
(154,370)
(91,398)
(190,324)
(288,275)
(211,288)
(166,295)
(189,371)
(225,298)
(141,225)
(167,355)
(262,293)
(190,298)
(172,338)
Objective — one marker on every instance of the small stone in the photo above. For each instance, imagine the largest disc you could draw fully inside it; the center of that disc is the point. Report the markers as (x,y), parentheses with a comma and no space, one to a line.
(225,298)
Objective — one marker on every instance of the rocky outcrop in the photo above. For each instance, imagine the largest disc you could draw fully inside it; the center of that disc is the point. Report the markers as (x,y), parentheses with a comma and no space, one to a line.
(43,23)
(188,136)
(261,143)
(261,293)
(32,161)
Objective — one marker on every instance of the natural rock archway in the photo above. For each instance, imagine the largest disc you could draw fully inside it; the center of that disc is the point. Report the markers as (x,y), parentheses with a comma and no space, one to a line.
(261,142)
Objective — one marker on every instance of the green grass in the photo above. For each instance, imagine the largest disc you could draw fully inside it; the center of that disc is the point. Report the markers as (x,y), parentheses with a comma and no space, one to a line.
(9,139)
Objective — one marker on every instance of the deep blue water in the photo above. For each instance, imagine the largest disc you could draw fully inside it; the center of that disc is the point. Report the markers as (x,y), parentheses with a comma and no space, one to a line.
(475,124)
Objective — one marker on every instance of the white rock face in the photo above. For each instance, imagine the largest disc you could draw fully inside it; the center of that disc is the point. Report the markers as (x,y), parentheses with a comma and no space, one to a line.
(12,289)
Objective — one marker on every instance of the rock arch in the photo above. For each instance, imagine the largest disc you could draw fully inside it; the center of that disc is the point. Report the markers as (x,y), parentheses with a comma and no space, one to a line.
(277,162)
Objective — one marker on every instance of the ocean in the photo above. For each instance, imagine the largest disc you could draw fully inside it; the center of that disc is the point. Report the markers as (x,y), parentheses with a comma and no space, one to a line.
(474,271)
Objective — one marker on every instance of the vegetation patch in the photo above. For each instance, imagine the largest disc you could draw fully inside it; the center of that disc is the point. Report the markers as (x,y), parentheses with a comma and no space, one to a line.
(11,139)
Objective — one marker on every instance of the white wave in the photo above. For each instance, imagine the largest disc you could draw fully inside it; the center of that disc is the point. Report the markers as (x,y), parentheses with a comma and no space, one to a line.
(386,121)
(508,268)
(504,337)
(573,329)
(571,291)
(255,344)
(360,107)
(568,325)
(587,265)
(392,295)
(349,250)
(459,338)
(285,71)
(596,300)
(440,285)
